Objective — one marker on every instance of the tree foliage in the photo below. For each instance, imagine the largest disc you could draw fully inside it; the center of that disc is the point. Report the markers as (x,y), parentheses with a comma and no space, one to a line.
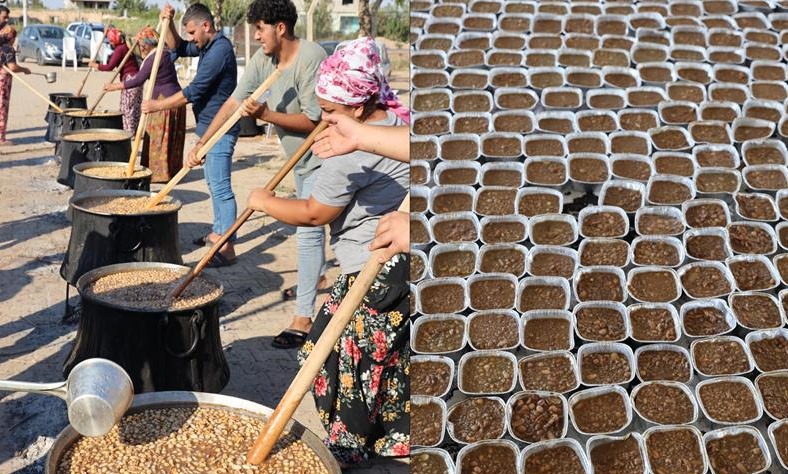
(131,6)
(321,19)
(392,23)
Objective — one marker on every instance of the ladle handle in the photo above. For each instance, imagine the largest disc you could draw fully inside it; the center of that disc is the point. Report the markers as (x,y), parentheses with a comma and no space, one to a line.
(302,382)
(57,389)
(33,89)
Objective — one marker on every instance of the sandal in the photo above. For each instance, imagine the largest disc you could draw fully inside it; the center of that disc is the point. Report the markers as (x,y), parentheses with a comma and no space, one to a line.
(289,339)
(219,260)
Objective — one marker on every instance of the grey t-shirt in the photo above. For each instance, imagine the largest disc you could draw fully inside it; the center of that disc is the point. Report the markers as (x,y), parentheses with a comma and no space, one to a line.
(292,93)
(368,186)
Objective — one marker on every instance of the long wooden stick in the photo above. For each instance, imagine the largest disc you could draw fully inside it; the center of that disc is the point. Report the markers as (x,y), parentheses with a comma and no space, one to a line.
(18,78)
(272,184)
(117,73)
(90,69)
(148,93)
(325,344)
(235,117)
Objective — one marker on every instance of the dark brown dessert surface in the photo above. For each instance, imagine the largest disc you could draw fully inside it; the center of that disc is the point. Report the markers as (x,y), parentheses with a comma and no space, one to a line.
(535,204)
(492,459)
(538,418)
(503,232)
(675,451)
(477,419)
(707,247)
(452,202)
(547,334)
(664,365)
(706,215)
(555,460)
(705,282)
(538,296)
(617,457)
(604,252)
(632,169)
(455,230)
(503,261)
(656,252)
(487,374)
(493,331)
(495,202)
(705,321)
(774,392)
(770,353)
(664,404)
(600,286)
(628,199)
(431,378)
(426,424)
(552,232)
(598,368)
(603,413)
(735,453)
(554,373)
(654,286)
(720,357)
(731,402)
(604,224)
(750,239)
(454,263)
(601,324)
(440,336)
(652,324)
(493,293)
(552,264)
(752,275)
(657,224)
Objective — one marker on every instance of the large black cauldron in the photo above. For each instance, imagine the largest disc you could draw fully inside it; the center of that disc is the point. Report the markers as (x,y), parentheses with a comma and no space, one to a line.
(54,119)
(91,145)
(84,182)
(160,349)
(100,239)
(80,120)
(54,131)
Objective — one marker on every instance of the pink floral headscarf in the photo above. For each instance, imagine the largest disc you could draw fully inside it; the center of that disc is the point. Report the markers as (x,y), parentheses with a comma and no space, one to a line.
(353,74)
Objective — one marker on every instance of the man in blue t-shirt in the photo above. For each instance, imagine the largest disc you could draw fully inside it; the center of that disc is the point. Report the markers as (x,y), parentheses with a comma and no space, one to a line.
(213,84)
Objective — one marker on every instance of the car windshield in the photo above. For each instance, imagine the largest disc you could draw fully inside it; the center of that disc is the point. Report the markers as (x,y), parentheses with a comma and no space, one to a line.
(51,33)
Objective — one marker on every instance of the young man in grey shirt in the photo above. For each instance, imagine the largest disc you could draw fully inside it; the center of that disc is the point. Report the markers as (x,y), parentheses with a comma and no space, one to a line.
(293,111)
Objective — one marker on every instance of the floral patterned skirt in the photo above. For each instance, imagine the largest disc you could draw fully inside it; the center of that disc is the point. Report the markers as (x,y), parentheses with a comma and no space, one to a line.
(130,105)
(362,392)
(5,101)
(162,150)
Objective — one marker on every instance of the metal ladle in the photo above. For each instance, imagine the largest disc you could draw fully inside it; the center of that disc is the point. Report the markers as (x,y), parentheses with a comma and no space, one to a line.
(50,76)
(97,393)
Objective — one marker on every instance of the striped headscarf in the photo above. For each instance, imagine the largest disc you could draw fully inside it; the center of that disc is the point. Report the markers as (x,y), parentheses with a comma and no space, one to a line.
(352,75)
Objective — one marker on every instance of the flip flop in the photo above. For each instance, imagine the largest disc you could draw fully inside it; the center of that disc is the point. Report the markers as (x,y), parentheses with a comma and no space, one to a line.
(219,260)
(289,339)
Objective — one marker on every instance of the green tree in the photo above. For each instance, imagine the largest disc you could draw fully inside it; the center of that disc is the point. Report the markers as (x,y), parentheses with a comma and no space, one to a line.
(321,19)
(131,6)
(393,24)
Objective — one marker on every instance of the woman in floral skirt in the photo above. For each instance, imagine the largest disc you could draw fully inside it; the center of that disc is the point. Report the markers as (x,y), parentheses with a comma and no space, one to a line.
(362,392)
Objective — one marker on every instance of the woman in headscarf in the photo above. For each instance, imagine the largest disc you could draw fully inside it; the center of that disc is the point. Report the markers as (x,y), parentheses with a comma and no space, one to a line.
(162,150)
(130,99)
(362,390)
(7,58)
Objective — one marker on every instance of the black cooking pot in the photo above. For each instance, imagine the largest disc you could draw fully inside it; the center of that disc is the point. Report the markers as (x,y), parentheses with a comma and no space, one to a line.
(84,182)
(66,100)
(94,145)
(99,239)
(80,120)
(160,349)
(55,125)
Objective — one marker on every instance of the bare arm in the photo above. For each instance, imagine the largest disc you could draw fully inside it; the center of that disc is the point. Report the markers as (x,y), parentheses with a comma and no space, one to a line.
(172,102)
(346,135)
(298,123)
(173,39)
(299,212)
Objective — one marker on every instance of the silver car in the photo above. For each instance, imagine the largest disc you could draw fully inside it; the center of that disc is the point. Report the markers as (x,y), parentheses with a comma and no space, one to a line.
(44,43)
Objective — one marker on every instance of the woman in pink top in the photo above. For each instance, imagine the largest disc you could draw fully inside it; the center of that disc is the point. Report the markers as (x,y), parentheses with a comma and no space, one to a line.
(130,99)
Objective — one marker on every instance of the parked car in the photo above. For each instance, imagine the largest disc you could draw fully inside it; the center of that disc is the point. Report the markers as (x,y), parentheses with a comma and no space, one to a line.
(385,62)
(329,46)
(83,32)
(44,43)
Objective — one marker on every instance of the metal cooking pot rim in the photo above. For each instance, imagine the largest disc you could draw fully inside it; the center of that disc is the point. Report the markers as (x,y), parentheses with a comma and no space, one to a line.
(75,201)
(171,399)
(103,113)
(80,169)
(99,272)
(67,134)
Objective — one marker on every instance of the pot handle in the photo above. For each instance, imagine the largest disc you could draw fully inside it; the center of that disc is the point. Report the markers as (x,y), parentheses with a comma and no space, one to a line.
(72,123)
(83,148)
(85,123)
(99,151)
(142,227)
(197,326)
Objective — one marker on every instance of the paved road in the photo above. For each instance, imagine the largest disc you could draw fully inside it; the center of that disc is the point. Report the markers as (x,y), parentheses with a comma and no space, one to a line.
(33,237)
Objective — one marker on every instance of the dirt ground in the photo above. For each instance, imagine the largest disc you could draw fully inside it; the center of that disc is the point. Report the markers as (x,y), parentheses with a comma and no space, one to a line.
(34,235)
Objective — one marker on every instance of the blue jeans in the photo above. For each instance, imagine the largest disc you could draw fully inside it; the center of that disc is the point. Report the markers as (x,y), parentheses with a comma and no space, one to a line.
(217,174)
(311,253)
